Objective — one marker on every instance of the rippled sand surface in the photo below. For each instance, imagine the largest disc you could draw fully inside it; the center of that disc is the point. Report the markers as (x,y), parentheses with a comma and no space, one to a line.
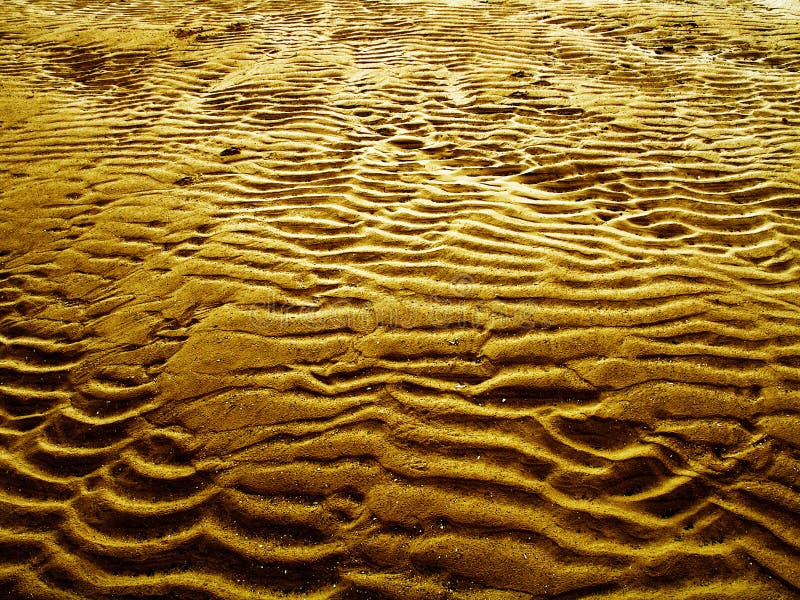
(399,300)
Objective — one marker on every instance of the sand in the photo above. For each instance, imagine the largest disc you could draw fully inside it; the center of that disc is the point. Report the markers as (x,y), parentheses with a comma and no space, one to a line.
(399,299)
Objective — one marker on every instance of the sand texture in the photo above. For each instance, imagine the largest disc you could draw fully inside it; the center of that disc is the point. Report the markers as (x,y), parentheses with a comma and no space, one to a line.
(399,300)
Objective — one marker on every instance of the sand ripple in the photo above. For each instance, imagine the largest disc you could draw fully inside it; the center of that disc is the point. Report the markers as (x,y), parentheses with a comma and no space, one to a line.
(399,300)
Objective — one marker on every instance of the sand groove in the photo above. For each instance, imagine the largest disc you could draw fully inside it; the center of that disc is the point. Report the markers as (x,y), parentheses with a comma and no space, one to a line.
(410,300)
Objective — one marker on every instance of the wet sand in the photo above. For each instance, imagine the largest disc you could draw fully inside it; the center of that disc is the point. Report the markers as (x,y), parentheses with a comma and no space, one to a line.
(399,300)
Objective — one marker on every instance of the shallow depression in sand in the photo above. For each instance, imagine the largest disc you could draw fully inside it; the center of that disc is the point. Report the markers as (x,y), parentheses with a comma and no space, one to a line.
(399,300)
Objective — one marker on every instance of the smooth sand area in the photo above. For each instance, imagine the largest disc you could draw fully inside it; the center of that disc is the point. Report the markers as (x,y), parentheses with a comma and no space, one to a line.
(399,300)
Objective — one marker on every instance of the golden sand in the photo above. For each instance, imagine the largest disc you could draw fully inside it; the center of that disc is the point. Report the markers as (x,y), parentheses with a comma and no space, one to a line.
(399,299)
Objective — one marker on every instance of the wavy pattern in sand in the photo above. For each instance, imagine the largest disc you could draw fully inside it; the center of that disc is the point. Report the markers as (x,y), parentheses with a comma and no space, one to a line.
(397,300)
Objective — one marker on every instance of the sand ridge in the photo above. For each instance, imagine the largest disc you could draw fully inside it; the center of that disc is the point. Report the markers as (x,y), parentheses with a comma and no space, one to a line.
(395,300)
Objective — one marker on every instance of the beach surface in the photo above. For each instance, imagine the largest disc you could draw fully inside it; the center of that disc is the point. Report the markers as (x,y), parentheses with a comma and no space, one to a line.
(399,300)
